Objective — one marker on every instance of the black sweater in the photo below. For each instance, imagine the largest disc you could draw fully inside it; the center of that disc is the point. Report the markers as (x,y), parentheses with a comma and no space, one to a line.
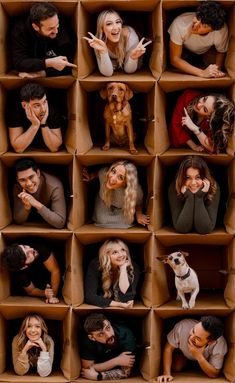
(30,50)
(93,286)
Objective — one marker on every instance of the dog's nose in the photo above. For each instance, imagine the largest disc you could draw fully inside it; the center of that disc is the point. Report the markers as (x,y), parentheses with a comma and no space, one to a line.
(114,96)
(177,262)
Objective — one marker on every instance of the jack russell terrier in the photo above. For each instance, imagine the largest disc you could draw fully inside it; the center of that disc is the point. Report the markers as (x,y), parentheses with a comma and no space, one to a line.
(186,280)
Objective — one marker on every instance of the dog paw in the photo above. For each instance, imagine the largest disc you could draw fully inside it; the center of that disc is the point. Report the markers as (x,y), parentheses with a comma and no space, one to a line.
(105,147)
(185,306)
(178,298)
(191,305)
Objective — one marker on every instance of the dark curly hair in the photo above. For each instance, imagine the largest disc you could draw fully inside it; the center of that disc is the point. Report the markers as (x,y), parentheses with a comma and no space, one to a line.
(212,14)
(13,257)
(213,325)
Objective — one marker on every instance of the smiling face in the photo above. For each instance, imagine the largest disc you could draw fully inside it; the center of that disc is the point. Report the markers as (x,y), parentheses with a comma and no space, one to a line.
(29,180)
(118,255)
(34,330)
(30,253)
(48,28)
(112,27)
(116,177)
(193,180)
(205,106)
(39,106)
(104,336)
(200,29)
(199,336)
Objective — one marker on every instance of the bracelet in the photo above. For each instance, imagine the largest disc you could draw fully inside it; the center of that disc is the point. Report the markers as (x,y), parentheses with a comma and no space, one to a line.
(43,125)
(99,376)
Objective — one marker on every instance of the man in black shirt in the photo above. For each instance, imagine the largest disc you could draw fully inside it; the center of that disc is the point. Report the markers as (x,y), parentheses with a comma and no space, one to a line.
(107,350)
(35,268)
(41,46)
(34,123)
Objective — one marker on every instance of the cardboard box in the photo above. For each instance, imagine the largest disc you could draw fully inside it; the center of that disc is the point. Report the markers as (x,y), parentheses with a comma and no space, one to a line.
(13,9)
(57,164)
(87,244)
(61,91)
(170,87)
(166,166)
(143,16)
(62,245)
(212,261)
(58,320)
(171,9)
(144,330)
(93,161)
(166,322)
(92,125)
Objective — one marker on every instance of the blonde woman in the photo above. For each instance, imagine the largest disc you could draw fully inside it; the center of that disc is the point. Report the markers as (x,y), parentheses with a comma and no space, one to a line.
(116,46)
(112,278)
(120,196)
(32,347)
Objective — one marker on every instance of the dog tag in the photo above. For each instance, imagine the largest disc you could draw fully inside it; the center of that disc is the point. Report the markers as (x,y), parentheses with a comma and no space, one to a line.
(114,118)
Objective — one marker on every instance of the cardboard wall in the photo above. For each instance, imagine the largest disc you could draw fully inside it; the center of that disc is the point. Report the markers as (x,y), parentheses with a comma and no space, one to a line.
(156,88)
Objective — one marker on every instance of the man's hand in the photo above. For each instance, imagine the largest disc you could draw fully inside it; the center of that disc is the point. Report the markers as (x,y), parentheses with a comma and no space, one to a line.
(41,73)
(164,378)
(31,116)
(49,293)
(196,352)
(29,201)
(44,119)
(125,359)
(89,373)
(212,71)
(59,63)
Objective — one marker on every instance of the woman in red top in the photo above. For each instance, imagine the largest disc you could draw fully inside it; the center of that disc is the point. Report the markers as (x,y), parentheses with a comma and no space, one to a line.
(204,122)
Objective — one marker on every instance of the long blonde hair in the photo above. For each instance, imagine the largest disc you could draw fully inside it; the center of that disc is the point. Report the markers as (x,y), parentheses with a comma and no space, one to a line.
(22,338)
(130,193)
(108,281)
(120,48)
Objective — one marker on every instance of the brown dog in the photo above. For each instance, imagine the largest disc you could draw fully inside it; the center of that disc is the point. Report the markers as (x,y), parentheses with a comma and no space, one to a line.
(118,116)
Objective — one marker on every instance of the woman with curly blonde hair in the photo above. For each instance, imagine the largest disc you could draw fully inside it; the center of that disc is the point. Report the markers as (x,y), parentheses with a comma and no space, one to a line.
(116,46)
(111,279)
(32,347)
(203,121)
(194,197)
(120,196)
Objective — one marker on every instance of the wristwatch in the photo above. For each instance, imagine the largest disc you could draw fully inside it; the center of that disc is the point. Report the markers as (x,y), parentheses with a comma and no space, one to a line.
(99,376)
(43,125)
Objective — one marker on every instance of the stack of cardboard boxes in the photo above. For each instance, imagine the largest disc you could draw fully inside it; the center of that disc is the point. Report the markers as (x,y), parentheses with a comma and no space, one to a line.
(212,256)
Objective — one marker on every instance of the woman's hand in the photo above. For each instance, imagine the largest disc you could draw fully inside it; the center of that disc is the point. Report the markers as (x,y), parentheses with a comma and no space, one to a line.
(187,121)
(142,219)
(139,50)
(29,344)
(212,71)
(95,43)
(206,185)
(85,175)
(41,344)
(183,189)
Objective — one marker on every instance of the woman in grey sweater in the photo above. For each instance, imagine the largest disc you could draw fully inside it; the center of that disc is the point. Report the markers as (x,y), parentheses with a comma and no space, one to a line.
(194,197)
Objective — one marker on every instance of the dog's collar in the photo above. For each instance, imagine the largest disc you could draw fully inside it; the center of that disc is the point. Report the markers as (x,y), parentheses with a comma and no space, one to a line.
(184,276)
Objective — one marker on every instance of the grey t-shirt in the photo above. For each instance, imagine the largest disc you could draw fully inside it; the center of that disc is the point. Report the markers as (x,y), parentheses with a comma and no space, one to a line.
(213,353)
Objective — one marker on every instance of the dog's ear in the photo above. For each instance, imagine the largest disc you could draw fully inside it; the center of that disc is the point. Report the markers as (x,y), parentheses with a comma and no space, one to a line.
(185,254)
(103,93)
(162,258)
(128,93)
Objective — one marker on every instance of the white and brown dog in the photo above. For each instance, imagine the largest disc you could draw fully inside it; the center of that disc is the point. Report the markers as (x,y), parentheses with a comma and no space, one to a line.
(186,280)
(118,116)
